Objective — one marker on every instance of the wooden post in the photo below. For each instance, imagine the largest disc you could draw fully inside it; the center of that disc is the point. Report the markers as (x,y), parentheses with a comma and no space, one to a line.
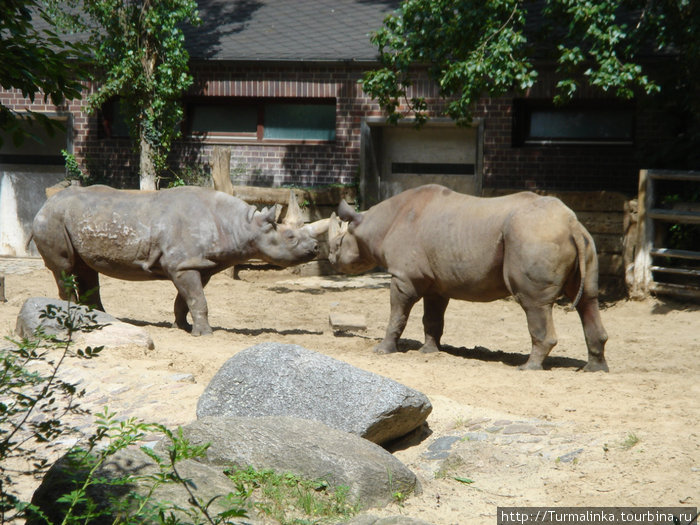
(645,227)
(221,175)
(3,299)
(221,169)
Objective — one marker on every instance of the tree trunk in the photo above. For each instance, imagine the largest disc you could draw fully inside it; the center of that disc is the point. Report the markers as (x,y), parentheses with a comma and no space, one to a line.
(147,172)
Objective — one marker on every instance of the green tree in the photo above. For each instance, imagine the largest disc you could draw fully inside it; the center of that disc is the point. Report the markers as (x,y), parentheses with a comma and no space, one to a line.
(140,56)
(34,59)
(473,48)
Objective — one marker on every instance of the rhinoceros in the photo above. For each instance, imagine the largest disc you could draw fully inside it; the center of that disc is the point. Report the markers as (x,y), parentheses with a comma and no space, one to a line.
(184,234)
(440,245)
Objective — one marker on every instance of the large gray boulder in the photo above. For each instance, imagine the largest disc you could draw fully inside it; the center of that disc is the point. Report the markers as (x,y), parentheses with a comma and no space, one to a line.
(206,482)
(274,379)
(307,449)
(391,520)
(113,332)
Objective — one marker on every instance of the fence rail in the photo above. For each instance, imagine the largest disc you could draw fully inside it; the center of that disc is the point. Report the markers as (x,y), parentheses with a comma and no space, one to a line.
(653,224)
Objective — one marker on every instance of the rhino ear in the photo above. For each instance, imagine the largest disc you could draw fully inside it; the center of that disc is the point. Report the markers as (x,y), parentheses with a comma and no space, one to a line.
(265,218)
(251,213)
(347,213)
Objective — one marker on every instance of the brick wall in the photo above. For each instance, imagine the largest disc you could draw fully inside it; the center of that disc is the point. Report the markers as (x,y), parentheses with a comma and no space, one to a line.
(557,167)
(294,163)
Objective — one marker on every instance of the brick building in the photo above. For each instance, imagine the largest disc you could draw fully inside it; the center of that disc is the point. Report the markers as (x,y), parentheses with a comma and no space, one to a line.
(277,82)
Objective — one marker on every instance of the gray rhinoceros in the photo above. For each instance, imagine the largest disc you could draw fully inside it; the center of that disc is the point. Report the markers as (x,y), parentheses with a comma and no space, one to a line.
(184,234)
(442,245)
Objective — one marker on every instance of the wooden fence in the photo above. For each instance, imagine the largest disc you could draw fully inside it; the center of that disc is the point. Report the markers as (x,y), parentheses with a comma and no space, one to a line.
(663,211)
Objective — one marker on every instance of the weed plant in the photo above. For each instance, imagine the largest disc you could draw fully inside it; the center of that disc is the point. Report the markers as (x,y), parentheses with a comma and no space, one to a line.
(35,403)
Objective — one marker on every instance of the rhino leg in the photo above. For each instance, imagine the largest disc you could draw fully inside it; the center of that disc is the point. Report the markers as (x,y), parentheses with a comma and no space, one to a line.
(190,294)
(63,293)
(88,286)
(402,299)
(595,334)
(541,326)
(434,307)
(181,311)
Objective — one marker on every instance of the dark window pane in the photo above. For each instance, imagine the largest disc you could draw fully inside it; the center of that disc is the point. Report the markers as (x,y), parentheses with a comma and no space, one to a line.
(40,146)
(581,125)
(300,121)
(119,126)
(219,118)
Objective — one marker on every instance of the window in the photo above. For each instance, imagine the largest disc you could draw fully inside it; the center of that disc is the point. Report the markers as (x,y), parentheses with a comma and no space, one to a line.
(112,119)
(40,145)
(262,119)
(299,121)
(219,119)
(589,122)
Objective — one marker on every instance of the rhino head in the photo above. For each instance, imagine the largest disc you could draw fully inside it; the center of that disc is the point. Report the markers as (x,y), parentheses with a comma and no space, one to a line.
(290,241)
(348,252)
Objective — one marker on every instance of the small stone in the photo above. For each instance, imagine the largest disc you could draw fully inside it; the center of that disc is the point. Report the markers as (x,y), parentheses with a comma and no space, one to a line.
(476,436)
(522,428)
(502,422)
(182,378)
(439,448)
(345,322)
(568,458)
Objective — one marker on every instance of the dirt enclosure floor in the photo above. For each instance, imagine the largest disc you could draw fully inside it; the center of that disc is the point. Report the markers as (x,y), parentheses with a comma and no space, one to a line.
(559,437)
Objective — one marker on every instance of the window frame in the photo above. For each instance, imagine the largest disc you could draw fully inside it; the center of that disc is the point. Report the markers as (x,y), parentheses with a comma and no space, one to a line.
(259,136)
(523,110)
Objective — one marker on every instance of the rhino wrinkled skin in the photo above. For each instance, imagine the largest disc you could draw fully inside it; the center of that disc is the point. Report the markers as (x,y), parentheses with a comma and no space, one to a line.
(440,245)
(184,234)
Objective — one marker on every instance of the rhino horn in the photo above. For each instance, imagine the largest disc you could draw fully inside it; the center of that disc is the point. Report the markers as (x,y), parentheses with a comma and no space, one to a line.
(293,218)
(318,228)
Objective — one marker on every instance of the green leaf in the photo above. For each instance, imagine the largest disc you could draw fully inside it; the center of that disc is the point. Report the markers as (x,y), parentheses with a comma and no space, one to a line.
(466,481)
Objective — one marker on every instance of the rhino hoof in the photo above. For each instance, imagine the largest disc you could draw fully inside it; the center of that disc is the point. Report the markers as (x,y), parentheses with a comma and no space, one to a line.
(596,366)
(380,349)
(428,349)
(182,325)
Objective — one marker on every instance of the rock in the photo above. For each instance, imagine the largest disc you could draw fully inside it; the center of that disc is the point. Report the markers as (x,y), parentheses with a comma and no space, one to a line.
(206,483)
(390,520)
(307,449)
(345,322)
(114,333)
(274,379)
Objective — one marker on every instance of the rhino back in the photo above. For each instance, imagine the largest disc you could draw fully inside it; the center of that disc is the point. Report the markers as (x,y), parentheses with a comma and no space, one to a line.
(452,240)
(131,234)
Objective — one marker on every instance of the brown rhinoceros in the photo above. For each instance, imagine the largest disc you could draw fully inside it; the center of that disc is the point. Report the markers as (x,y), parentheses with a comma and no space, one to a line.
(442,245)
(184,234)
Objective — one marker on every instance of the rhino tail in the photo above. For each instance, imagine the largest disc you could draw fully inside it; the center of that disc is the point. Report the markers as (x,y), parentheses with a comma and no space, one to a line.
(29,241)
(580,241)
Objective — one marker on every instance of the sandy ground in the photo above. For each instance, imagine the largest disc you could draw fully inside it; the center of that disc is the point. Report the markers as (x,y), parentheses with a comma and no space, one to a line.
(627,438)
